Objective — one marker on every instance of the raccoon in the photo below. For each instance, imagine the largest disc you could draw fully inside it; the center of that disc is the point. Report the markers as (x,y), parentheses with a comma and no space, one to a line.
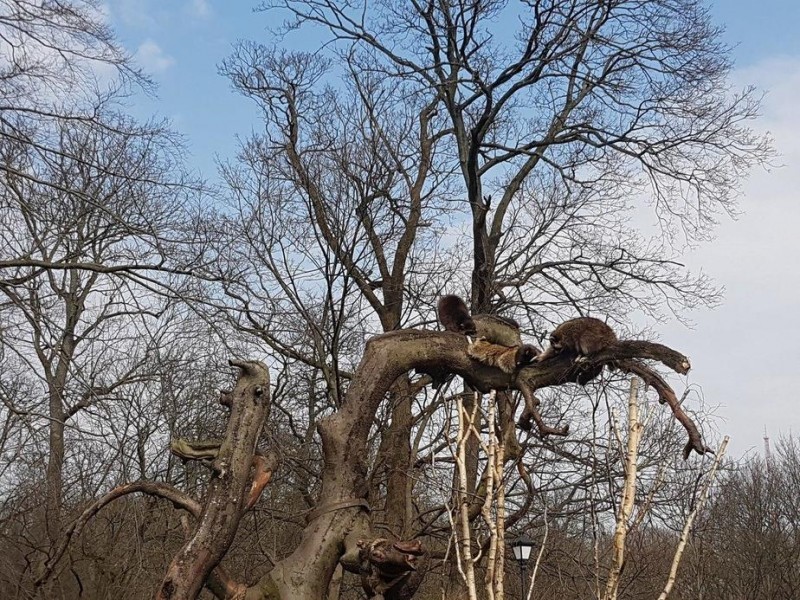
(506,358)
(582,336)
(497,330)
(454,315)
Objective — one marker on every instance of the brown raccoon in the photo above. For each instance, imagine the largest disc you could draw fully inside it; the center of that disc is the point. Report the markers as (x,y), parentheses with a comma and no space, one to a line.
(582,336)
(454,315)
(505,358)
(497,330)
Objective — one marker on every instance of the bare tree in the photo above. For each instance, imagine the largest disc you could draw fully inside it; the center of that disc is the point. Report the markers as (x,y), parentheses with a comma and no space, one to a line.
(747,542)
(58,60)
(531,151)
(587,100)
(337,204)
(84,335)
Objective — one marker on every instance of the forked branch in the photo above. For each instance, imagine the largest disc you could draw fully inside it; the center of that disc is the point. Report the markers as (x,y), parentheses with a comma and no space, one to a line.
(228,487)
(626,355)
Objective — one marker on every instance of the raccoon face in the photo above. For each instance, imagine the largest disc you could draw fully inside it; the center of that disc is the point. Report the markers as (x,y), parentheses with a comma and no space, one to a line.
(467,327)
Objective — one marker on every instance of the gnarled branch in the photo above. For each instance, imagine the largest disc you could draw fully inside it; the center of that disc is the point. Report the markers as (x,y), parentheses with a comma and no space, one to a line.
(228,488)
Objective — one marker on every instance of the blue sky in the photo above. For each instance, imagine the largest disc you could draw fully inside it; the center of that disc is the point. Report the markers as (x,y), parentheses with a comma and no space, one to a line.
(744,353)
(181,42)
(759,29)
(180,45)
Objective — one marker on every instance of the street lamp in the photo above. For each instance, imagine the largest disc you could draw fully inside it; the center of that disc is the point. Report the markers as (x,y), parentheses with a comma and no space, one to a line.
(522,547)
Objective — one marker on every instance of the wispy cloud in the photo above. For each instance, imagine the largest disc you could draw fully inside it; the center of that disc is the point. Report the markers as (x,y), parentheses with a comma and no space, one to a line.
(199,9)
(152,57)
(133,13)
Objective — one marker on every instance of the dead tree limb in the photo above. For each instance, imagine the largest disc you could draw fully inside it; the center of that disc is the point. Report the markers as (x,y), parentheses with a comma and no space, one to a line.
(331,536)
(219,582)
(666,395)
(161,490)
(626,355)
(228,488)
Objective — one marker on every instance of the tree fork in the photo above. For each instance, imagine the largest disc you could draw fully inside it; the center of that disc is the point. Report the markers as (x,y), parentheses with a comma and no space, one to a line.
(345,434)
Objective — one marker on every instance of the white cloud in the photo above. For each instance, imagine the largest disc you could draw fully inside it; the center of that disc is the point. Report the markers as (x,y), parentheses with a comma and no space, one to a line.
(152,58)
(744,353)
(133,13)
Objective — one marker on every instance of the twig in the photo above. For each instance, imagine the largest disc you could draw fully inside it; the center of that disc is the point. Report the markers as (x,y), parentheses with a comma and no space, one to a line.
(540,554)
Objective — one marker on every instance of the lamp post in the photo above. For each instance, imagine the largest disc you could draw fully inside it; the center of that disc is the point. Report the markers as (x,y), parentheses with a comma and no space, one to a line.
(521,547)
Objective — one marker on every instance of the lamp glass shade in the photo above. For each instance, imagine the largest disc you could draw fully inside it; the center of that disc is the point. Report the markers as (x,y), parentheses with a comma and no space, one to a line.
(521,548)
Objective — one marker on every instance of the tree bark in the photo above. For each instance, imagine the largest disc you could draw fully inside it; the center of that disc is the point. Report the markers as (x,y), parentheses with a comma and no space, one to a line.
(396,450)
(230,483)
(635,428)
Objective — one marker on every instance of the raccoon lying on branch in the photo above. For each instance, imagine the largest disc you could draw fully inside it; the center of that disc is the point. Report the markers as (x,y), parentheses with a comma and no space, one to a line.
(498,344)
(582,336)
(506,358)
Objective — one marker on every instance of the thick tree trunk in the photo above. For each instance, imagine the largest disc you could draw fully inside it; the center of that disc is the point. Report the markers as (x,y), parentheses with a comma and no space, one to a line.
(396,450)
(57,383)
(55,467)
(336,525)
(344,442)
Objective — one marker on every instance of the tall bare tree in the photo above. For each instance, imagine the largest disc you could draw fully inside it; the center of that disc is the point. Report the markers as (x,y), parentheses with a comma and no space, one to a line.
(336,200)
(101,200)
(553,108)
(541,142)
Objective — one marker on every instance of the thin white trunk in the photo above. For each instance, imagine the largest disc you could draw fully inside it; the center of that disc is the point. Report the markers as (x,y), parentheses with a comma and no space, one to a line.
(464,431)
(539,555)
(676,560)
(486,509)
(499,574)
(628,493)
